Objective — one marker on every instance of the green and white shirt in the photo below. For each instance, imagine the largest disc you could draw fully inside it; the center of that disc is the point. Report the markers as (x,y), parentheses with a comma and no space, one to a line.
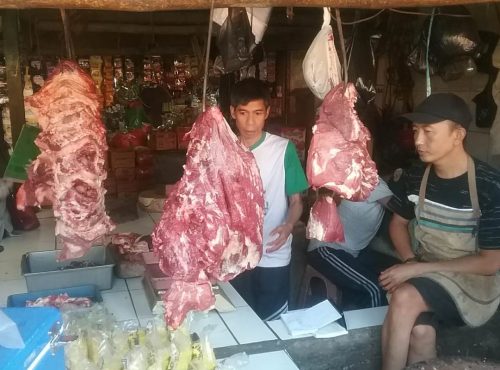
(282,176)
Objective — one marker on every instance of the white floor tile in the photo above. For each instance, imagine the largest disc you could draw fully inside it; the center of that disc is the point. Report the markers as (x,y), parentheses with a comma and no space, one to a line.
(45,213)
(141,304)
(10,287)
(10,270)
(119,285)
(119,304)
(232,294)
(246,326)
(211,324)
(134,283)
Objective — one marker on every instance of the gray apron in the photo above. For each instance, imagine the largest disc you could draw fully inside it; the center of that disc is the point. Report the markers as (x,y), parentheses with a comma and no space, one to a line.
(444,233)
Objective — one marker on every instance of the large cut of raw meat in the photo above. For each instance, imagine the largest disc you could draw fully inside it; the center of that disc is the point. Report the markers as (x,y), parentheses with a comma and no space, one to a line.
(70,170)
(211,226)
(338,159)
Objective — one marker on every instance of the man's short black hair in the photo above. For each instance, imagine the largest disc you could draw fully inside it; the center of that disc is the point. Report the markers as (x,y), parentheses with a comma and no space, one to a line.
(248,90)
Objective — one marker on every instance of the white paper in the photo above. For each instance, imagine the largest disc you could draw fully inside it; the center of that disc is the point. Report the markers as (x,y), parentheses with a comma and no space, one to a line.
(9,333)
(310,320)
(329,331)
(365,318)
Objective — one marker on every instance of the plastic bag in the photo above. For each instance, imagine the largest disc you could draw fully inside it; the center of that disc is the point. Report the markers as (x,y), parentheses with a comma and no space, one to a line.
(321,65)
(234,362)
(486,107)
(458,67)
(453,36)
(418,57)
(236,40)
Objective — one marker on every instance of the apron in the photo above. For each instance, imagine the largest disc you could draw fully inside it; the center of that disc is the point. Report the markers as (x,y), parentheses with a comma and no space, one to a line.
(443,234)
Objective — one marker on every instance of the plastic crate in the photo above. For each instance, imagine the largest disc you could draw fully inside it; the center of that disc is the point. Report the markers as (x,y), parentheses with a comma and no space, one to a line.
(89,291)
(42,271)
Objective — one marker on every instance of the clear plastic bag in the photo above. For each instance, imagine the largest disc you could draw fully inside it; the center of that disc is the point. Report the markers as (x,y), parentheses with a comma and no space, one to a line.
(321,65)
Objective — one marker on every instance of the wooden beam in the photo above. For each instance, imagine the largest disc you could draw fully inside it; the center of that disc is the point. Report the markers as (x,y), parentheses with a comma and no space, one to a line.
(10,31)
(156,5)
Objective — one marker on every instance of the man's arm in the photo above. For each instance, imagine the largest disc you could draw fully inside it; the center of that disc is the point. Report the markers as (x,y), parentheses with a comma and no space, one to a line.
(486,262)
(295,208)
(400,236)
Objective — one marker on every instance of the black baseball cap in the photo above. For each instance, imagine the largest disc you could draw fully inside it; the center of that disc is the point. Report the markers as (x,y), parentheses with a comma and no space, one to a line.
(441,107)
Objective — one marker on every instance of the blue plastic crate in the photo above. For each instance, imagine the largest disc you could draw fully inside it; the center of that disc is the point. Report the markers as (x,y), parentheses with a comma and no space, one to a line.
(34,324)
(89,291)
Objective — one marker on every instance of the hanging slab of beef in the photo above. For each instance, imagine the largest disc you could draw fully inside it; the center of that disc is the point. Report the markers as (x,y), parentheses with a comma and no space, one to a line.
(70,170)
(211,226)
(338,160)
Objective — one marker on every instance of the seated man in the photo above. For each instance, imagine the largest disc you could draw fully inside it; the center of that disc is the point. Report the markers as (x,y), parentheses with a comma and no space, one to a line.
(342,263)
(455,200)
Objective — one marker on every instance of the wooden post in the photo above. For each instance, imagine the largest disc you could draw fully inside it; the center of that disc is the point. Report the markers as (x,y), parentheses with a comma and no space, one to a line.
(156,5)
(10,30)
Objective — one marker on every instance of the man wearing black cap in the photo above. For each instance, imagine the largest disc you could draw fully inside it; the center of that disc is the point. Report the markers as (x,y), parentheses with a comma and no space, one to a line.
(451,251)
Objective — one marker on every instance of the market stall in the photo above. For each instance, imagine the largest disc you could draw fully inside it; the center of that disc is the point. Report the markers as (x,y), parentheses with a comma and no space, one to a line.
(117,125)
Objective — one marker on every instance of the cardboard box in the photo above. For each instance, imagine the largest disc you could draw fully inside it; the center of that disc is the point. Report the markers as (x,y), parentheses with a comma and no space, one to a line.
(124,173)
(127,186)
(122,158)
(163,140)
(182,138)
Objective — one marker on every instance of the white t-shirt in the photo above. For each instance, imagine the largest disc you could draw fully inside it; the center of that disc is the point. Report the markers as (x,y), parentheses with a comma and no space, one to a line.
(361,221)
(282,175)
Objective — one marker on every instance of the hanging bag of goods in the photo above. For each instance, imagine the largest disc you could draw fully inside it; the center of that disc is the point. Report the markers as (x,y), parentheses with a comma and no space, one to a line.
(70,170)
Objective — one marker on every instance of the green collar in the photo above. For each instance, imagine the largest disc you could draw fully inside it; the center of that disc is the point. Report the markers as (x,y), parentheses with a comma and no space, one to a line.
(260,141)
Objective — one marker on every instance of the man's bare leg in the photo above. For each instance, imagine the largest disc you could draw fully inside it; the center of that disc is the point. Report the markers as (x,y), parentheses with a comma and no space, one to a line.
(405,306)
(422,344)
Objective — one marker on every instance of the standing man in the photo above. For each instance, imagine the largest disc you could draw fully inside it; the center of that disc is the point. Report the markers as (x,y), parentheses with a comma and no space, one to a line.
(266,287)
(451,277)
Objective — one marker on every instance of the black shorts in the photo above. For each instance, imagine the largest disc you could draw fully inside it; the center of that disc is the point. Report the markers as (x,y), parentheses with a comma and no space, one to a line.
(265,289)
(444,311)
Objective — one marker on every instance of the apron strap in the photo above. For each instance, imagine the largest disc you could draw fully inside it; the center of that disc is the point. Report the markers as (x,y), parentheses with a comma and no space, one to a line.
(471,177)
(421,192)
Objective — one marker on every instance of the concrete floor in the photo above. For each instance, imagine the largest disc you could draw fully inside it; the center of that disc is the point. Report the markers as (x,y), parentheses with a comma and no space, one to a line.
(360,350)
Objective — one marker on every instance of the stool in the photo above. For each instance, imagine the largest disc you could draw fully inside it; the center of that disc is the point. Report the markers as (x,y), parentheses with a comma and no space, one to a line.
(332,292)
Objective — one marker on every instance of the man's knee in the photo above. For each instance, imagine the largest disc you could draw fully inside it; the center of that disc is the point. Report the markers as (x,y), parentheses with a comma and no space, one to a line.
(422,334)
(407,298)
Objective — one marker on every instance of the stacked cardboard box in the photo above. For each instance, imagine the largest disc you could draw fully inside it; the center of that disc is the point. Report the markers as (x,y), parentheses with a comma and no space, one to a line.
(121,174)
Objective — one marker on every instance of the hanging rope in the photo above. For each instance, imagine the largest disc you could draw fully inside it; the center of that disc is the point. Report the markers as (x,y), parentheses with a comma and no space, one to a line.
(207,56)
(67,35)
(427,71)
(342,43)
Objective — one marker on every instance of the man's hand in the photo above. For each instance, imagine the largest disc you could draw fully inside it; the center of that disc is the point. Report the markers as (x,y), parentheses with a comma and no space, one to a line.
(396,275)
(283,232)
